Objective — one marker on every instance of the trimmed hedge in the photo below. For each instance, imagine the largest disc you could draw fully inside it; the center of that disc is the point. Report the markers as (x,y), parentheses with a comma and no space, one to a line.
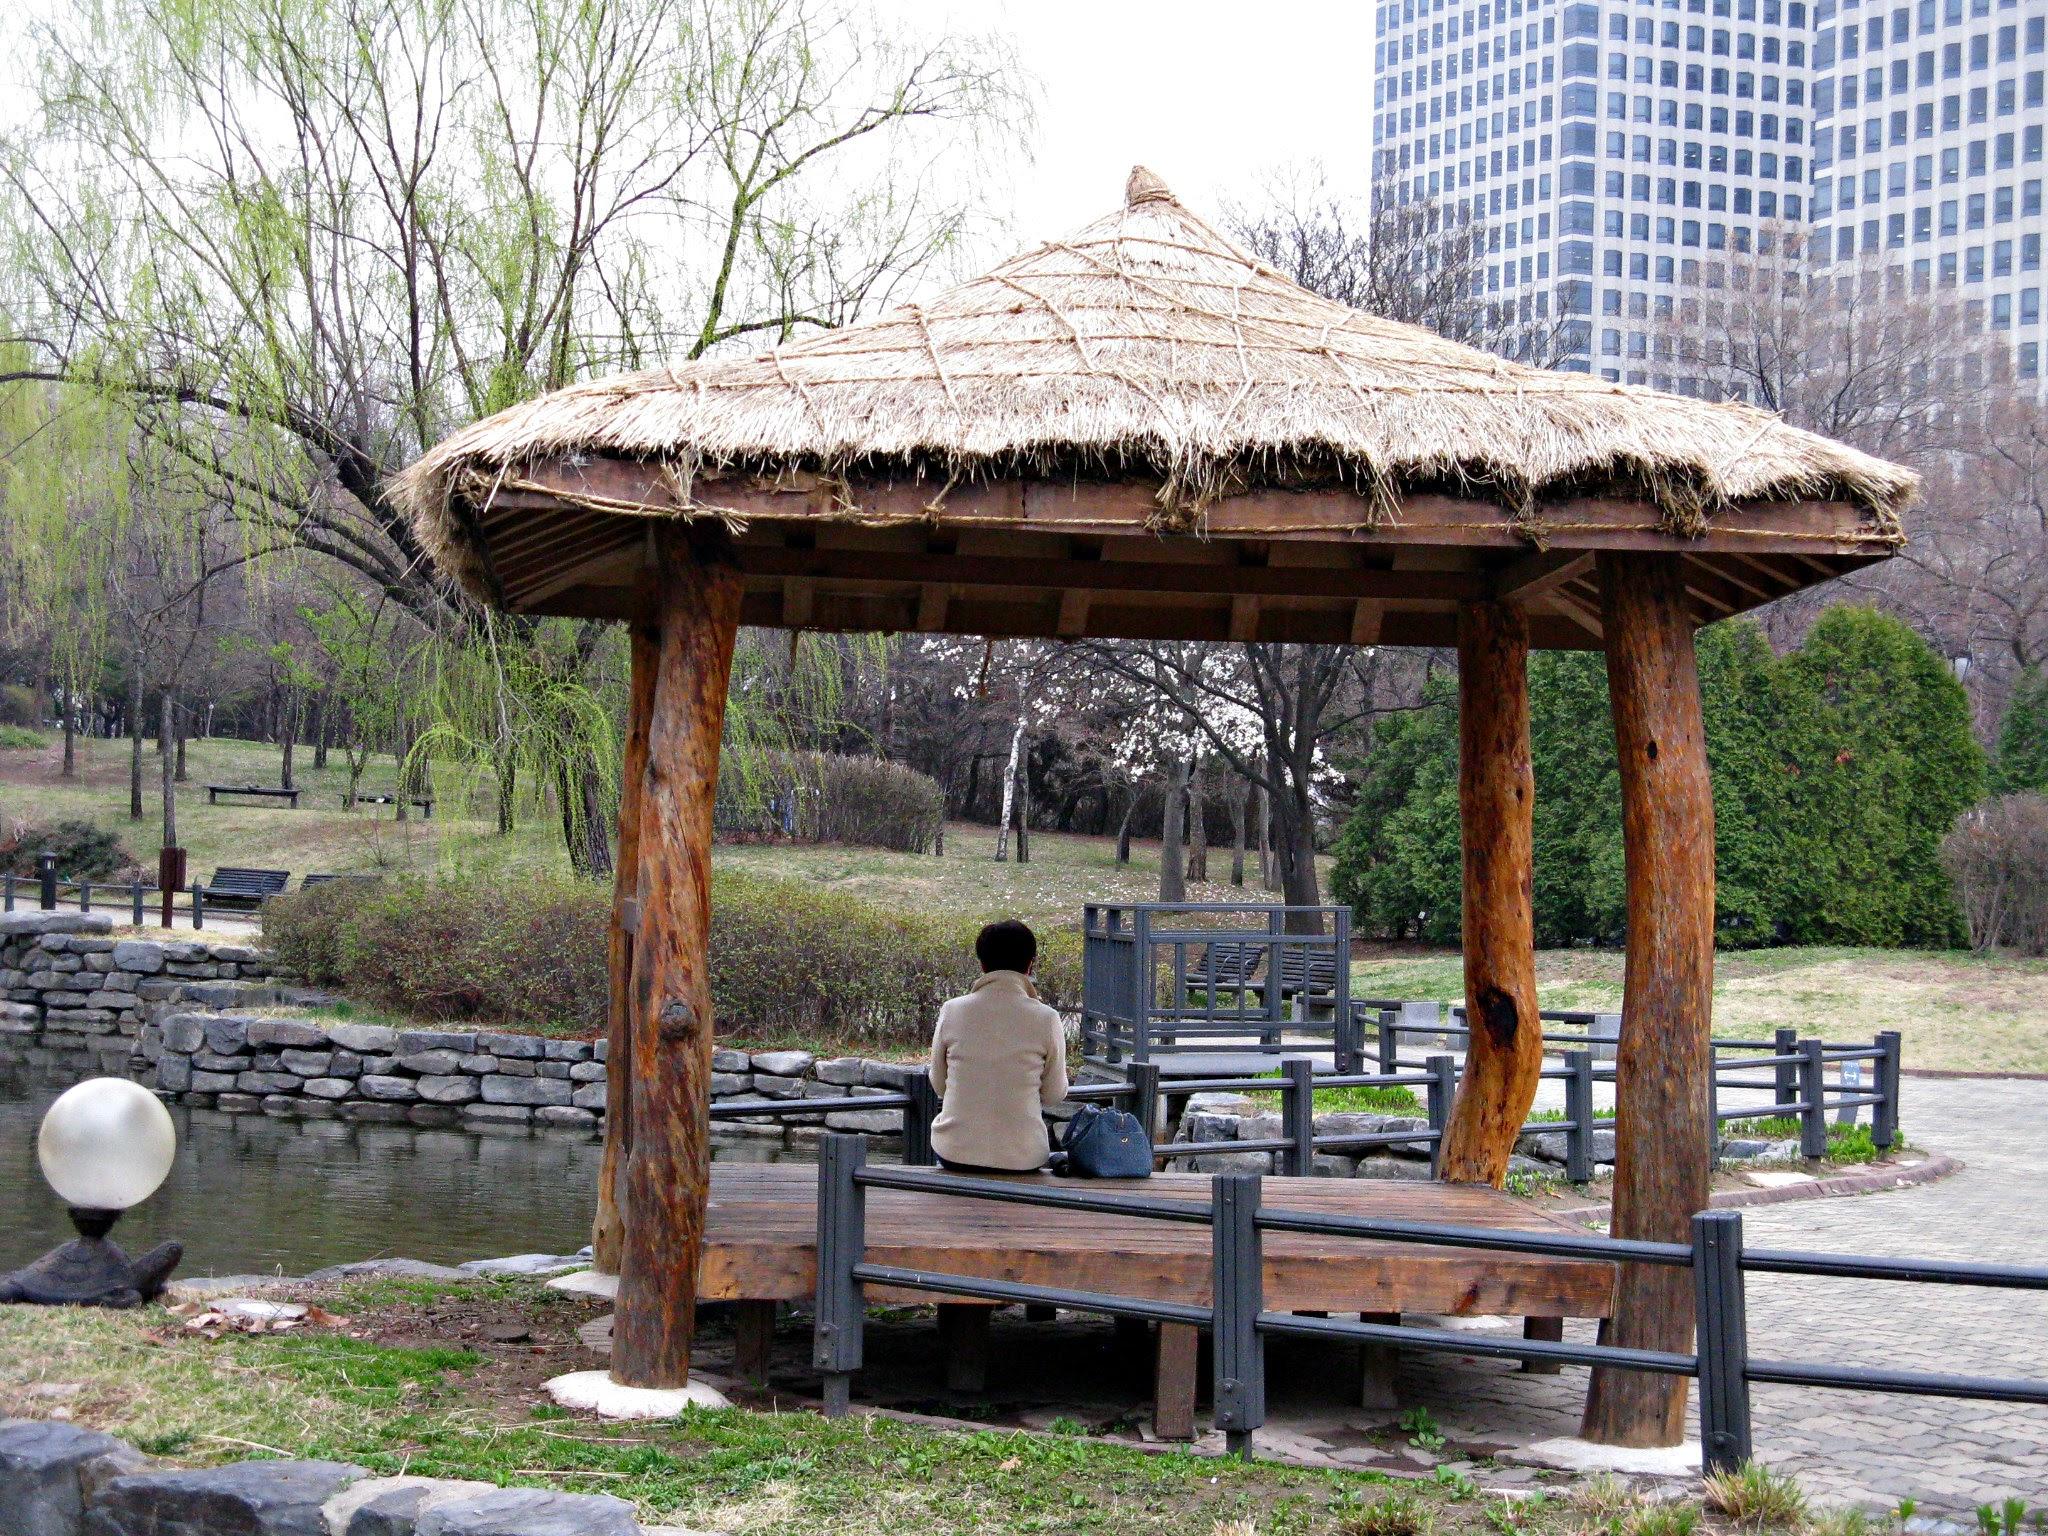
(789,960)
(830,797)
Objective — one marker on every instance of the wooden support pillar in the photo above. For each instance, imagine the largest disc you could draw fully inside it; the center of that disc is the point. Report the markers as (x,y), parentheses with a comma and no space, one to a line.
(963,1337)
(753,1340)
(668,1165)
(1661,1172)
(607,1231)
(1376,1365)
(1496,809)
(1174,1381)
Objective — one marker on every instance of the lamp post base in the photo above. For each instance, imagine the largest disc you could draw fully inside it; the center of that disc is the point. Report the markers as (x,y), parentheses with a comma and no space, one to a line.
(89,1271)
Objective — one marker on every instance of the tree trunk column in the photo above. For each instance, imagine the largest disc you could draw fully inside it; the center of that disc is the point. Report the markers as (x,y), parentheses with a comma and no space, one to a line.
(607,1232)
(668,1169)
(1661,1172)
(1496,809)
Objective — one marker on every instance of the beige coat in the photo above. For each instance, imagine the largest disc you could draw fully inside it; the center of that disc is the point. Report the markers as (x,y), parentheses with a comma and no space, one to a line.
(999,1058)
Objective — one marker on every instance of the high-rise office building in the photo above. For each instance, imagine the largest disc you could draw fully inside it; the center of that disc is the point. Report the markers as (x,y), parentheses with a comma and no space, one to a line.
(1622,156)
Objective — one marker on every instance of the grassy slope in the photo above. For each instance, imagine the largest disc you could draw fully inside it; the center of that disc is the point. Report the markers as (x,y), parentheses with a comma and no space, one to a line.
(441,1403)
(1956,1010)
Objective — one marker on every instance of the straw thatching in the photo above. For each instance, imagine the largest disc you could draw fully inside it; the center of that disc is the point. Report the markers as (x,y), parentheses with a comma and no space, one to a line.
(1149,347)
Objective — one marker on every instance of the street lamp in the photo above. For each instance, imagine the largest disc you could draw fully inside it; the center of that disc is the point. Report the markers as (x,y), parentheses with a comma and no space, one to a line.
(106,1144)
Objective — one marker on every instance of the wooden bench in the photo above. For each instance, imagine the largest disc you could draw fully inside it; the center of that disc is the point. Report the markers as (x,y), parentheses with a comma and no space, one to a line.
(234,887)
(260,791)
(424,802)
(760,1249)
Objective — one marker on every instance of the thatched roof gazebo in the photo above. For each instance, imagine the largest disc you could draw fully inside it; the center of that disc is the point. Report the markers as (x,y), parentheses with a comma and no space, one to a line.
(1141,431)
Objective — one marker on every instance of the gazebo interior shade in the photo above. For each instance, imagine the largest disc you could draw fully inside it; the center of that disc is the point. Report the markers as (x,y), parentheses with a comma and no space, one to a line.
(1141,431)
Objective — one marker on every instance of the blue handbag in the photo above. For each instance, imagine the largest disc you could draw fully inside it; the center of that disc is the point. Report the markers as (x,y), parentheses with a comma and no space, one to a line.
(1105,1144)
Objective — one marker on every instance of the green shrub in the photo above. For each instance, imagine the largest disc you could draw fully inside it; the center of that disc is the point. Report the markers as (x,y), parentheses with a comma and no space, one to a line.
(1837,771)
(19,706)
(84,851)
(829,797)
(2022,762)
(17,737)
(789,960)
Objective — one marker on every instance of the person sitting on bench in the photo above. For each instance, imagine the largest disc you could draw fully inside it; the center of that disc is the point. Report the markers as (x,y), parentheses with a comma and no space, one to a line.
(999,1060)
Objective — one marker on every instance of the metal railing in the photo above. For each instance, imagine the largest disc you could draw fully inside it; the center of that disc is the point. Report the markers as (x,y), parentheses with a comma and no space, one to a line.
(1142,1089)
(1161,979)
(1239,1322)
(140,902)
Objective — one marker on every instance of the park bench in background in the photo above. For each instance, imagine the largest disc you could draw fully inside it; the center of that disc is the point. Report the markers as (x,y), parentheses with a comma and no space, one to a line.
(261,791)
(232,887)
(424,802)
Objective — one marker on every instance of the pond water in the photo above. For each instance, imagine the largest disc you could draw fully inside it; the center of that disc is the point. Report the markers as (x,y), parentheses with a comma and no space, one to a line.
(251,1194)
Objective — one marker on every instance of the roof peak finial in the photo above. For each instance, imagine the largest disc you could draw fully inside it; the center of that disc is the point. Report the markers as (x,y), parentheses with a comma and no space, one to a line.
(1146,187)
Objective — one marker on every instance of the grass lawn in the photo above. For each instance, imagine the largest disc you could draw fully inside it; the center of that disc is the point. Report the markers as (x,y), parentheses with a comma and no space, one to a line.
(1956,1010)
(423,1379)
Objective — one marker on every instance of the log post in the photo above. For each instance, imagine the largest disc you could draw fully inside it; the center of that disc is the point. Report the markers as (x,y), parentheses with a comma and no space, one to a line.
(607,1231)
(1496,809)
(1661,1173)
(668,1165)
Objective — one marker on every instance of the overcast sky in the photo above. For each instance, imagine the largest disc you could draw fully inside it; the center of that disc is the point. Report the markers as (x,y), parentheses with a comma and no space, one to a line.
(1210,96)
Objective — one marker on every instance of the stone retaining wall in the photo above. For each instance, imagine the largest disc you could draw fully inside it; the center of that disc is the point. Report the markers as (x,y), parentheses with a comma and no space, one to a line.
(249,1063)
(69,989)
(59,1479)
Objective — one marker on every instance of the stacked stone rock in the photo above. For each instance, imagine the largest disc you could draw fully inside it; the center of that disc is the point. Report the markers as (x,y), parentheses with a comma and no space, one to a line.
(484,1079)
(61,1480)
(69,990)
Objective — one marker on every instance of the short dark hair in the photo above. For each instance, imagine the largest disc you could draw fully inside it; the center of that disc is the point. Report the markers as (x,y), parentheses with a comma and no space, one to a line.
(1006,946)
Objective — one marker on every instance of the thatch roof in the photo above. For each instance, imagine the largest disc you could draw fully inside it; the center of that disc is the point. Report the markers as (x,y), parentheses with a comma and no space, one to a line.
(1149,348)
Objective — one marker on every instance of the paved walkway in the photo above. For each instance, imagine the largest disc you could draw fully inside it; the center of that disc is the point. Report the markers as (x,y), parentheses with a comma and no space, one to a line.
(1855,1447)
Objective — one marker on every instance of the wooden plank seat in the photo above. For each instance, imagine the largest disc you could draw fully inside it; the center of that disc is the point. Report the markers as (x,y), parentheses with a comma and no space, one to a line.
(235,887)
(424,802)
(760,1246)
(255,791)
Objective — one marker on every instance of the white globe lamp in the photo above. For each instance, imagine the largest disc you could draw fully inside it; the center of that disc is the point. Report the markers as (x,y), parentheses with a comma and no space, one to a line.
(106,1144)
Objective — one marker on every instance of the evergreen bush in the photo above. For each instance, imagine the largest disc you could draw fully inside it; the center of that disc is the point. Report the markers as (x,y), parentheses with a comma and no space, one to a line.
(2022,762)
(20,705)
(1837,771)
(84,851)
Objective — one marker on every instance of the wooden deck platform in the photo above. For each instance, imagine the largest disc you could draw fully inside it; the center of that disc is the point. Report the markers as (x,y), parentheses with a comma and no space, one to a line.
(760,1248)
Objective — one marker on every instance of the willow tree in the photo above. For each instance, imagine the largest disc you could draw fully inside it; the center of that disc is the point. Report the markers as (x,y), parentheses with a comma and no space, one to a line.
(306,238)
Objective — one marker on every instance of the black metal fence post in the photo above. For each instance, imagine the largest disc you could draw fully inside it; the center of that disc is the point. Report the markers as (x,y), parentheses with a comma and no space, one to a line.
(1813,1119)
(1145,1096)
(198,906)
(1443,1084)
(1884,1118)
(1723,1340)
(1578,1109)
(922,1110)
(7,882)
(1389,1041)
(1298,1116)
(1785,1042)
(135,902)
(1713,1105)
(1240,1360)
(85,895)
(46,875)
(836,1334)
